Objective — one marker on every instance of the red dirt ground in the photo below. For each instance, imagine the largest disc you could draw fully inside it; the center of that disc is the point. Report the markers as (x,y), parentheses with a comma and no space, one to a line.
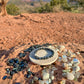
(32,29)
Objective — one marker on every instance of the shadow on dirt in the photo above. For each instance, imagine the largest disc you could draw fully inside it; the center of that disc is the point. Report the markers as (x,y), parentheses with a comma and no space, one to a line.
(6,53)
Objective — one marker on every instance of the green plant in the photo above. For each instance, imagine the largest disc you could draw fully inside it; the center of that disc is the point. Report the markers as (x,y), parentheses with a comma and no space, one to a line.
(46,8)
(12,9)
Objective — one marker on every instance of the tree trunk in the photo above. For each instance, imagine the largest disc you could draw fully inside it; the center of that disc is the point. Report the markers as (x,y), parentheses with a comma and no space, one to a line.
(3,8)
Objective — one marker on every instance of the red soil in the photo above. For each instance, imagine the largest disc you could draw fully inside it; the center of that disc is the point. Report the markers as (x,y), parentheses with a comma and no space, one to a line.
(38,29)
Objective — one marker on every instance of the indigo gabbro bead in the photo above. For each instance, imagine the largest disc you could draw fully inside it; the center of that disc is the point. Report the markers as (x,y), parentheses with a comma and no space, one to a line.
(17,83)
(28,50)
(16,60)
(15,65)
(22,55)
(10,62)
(29,73)
(4,77)
(15,70)
(39,78)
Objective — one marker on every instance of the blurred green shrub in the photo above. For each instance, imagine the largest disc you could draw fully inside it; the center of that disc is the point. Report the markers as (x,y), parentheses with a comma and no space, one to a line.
(12,9)
(46,8)
(54,6)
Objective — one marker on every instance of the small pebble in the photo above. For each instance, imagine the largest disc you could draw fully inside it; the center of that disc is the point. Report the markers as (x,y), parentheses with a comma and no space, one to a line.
(41,82)
(69,53)
(46,82)
(54,68)
(60,59)
(73,55)
(77,74)
(78,53)
(70,64)
(35,78)
(70,76)
(49,80)
(73,72)
(63,82)
(61,47)
(76,68)
(52,73)
(65,65)
(65,71)
(52,77)
(64,58)
(32,81)
(29,69)
(45,76)
(64,74)
(75,60)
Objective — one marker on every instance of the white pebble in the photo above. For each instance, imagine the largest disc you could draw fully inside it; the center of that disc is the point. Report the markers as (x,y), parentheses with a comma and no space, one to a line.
(65,65)
(50,80)
(54,68)
(78,53)
(52,73)
(64,58)
(60,59)
(41,82)
(46,82)
(73,72)
(62,47)
(70,64)
(63,82)
(76,68)
(70,76)
(35,78)
(77,75)
(45,76)
(52,77)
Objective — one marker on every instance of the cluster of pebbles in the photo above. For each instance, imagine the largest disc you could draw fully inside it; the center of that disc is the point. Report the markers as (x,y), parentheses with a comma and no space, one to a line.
(68,60)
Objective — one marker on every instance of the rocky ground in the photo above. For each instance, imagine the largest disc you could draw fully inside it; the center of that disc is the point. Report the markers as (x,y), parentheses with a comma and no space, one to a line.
(19,32)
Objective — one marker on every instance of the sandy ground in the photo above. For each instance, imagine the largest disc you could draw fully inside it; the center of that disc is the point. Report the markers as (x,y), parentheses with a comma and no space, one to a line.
(19,32)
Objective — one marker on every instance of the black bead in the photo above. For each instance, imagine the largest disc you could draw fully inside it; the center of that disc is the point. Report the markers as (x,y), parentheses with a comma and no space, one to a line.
(11,73)
(33,74)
